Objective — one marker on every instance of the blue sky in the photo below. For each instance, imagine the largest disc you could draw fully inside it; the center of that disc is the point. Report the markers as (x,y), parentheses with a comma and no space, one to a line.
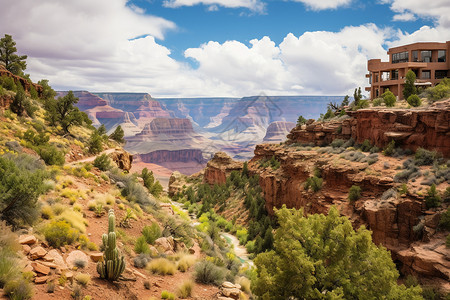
(192,48)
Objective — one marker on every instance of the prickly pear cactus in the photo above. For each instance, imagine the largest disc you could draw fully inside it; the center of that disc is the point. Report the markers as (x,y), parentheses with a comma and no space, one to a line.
(112,265)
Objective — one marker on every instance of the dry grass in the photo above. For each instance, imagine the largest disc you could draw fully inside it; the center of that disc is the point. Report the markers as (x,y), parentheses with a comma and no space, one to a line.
(185,262)
(75,219)
(162,266)
(244,282)
(83,279)
(185,289)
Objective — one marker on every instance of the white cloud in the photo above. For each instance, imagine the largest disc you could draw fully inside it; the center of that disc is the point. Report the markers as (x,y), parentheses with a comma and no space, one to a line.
(439,10)
(404,17)
(255,5)
(314,63)
(324,4)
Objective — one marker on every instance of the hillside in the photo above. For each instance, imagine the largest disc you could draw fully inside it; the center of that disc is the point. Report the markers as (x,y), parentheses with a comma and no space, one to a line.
(60,184)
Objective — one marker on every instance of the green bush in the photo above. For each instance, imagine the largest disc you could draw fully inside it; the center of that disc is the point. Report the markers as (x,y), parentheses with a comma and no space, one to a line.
(354,193)
(151,233)
(389,98)
(167,295)
(444,221)
(414,100)
(8,83)
(21,183)
(18,289)
(141,245)
(95,143)
(424,157)
(102,162)
(59,233)
(409,87)
(377,101)
(118,135)
(366,146)
(313,182)
(432,198)
(162,266)
(208,273)
(389,149)
(440,91)
(51,155)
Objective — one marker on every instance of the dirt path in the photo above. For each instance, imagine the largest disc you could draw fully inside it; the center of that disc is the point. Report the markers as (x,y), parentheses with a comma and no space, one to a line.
(91,158)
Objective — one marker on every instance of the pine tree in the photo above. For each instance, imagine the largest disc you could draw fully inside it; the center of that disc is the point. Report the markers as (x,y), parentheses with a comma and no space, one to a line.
(14,63)
(118,135)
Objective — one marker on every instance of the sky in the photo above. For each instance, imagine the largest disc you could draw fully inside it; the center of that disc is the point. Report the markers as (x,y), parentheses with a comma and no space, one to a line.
(215,48)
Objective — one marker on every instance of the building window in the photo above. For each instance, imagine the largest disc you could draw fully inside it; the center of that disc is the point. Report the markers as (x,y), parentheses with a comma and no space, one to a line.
(440,74)
(400,57)
(376,77)
(426,74)
(425,56)
(385,76)
(394,75)
(415,56)
(441,56)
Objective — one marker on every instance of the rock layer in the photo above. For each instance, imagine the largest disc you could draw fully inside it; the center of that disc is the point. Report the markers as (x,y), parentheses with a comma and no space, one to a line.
(411,128)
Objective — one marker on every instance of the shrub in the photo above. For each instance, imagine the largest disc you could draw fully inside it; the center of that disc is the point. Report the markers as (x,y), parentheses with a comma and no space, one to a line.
(440,91)
(244,282)
(102,162)
(208,273)
(424,157)
(151,233)
(337,143)
(167,295)
(21,183)
(51,155)
(141,245)
(95,143)
(185,262)
(80,263)
(354,193)
(147,285)
(432,199)
(83,279)
(409,88)
(51,287)
(389,149)
(411,281)
(141,260)
(19,289)
(162,266)
(444,221)
(185,289)
(59,233)
(118,135)
(377,101)
(414,100)
(314,182)
(366,146)
(46,212)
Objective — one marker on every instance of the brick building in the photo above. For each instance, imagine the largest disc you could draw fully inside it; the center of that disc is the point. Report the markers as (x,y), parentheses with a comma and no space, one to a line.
(429,61)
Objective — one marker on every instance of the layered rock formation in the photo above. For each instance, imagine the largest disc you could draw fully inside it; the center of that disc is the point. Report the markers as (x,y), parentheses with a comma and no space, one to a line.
(183,155)
(161,126)
(410,128)
(391,218)
(122,159)
(219,167)
(23,81)
(277,131)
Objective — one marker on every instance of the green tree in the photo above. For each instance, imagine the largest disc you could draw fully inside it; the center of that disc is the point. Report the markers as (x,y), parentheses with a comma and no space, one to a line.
(357,95)
(301,120)
(245,169)
(95,143)
(14,63)
(156,189)
(19,102)
(409,88)
(389,98)
(346,101)
(118,135)
(323,257)
(47,91)
(21,183)
(63,111)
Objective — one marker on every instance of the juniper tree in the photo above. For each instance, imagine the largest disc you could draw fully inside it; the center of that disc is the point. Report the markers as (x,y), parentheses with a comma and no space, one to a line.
(14,63)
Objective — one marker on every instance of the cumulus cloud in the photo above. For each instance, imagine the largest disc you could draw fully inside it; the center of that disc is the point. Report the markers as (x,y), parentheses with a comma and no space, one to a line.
(313,63)
(324,4)
(404,17)
(254,5)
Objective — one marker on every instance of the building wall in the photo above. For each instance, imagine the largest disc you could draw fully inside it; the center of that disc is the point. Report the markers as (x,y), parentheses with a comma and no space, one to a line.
(376,68)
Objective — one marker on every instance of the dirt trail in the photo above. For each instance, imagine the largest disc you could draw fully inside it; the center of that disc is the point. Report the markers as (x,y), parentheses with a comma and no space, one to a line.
(90,158)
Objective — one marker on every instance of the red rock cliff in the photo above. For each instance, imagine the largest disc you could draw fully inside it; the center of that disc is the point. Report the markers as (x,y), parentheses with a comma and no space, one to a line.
(172,126)
(411,128)
(183,155)
(219,168)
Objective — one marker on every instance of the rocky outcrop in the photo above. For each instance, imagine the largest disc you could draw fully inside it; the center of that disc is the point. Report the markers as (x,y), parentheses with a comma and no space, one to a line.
(277,131)
(122,159)
(23,81)
(183,155)
(220,167)
(411,128)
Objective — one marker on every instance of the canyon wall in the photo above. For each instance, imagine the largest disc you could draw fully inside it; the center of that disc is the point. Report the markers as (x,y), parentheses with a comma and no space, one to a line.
(410,128)
(277,131)
(183,155)
(23,81)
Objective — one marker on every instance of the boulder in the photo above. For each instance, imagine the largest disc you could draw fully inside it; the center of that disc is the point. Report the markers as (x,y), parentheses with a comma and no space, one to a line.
(37,252)
(40,268)
(165,244)
(27,239)
(74,256)
(41,279)
(97,256)
(26,249)
(54,256)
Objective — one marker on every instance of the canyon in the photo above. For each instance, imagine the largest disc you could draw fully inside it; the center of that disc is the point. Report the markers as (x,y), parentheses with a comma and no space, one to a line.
(401,222)
(183,133)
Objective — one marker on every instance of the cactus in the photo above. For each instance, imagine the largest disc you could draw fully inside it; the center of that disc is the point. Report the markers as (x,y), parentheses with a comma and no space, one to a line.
(112,265)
